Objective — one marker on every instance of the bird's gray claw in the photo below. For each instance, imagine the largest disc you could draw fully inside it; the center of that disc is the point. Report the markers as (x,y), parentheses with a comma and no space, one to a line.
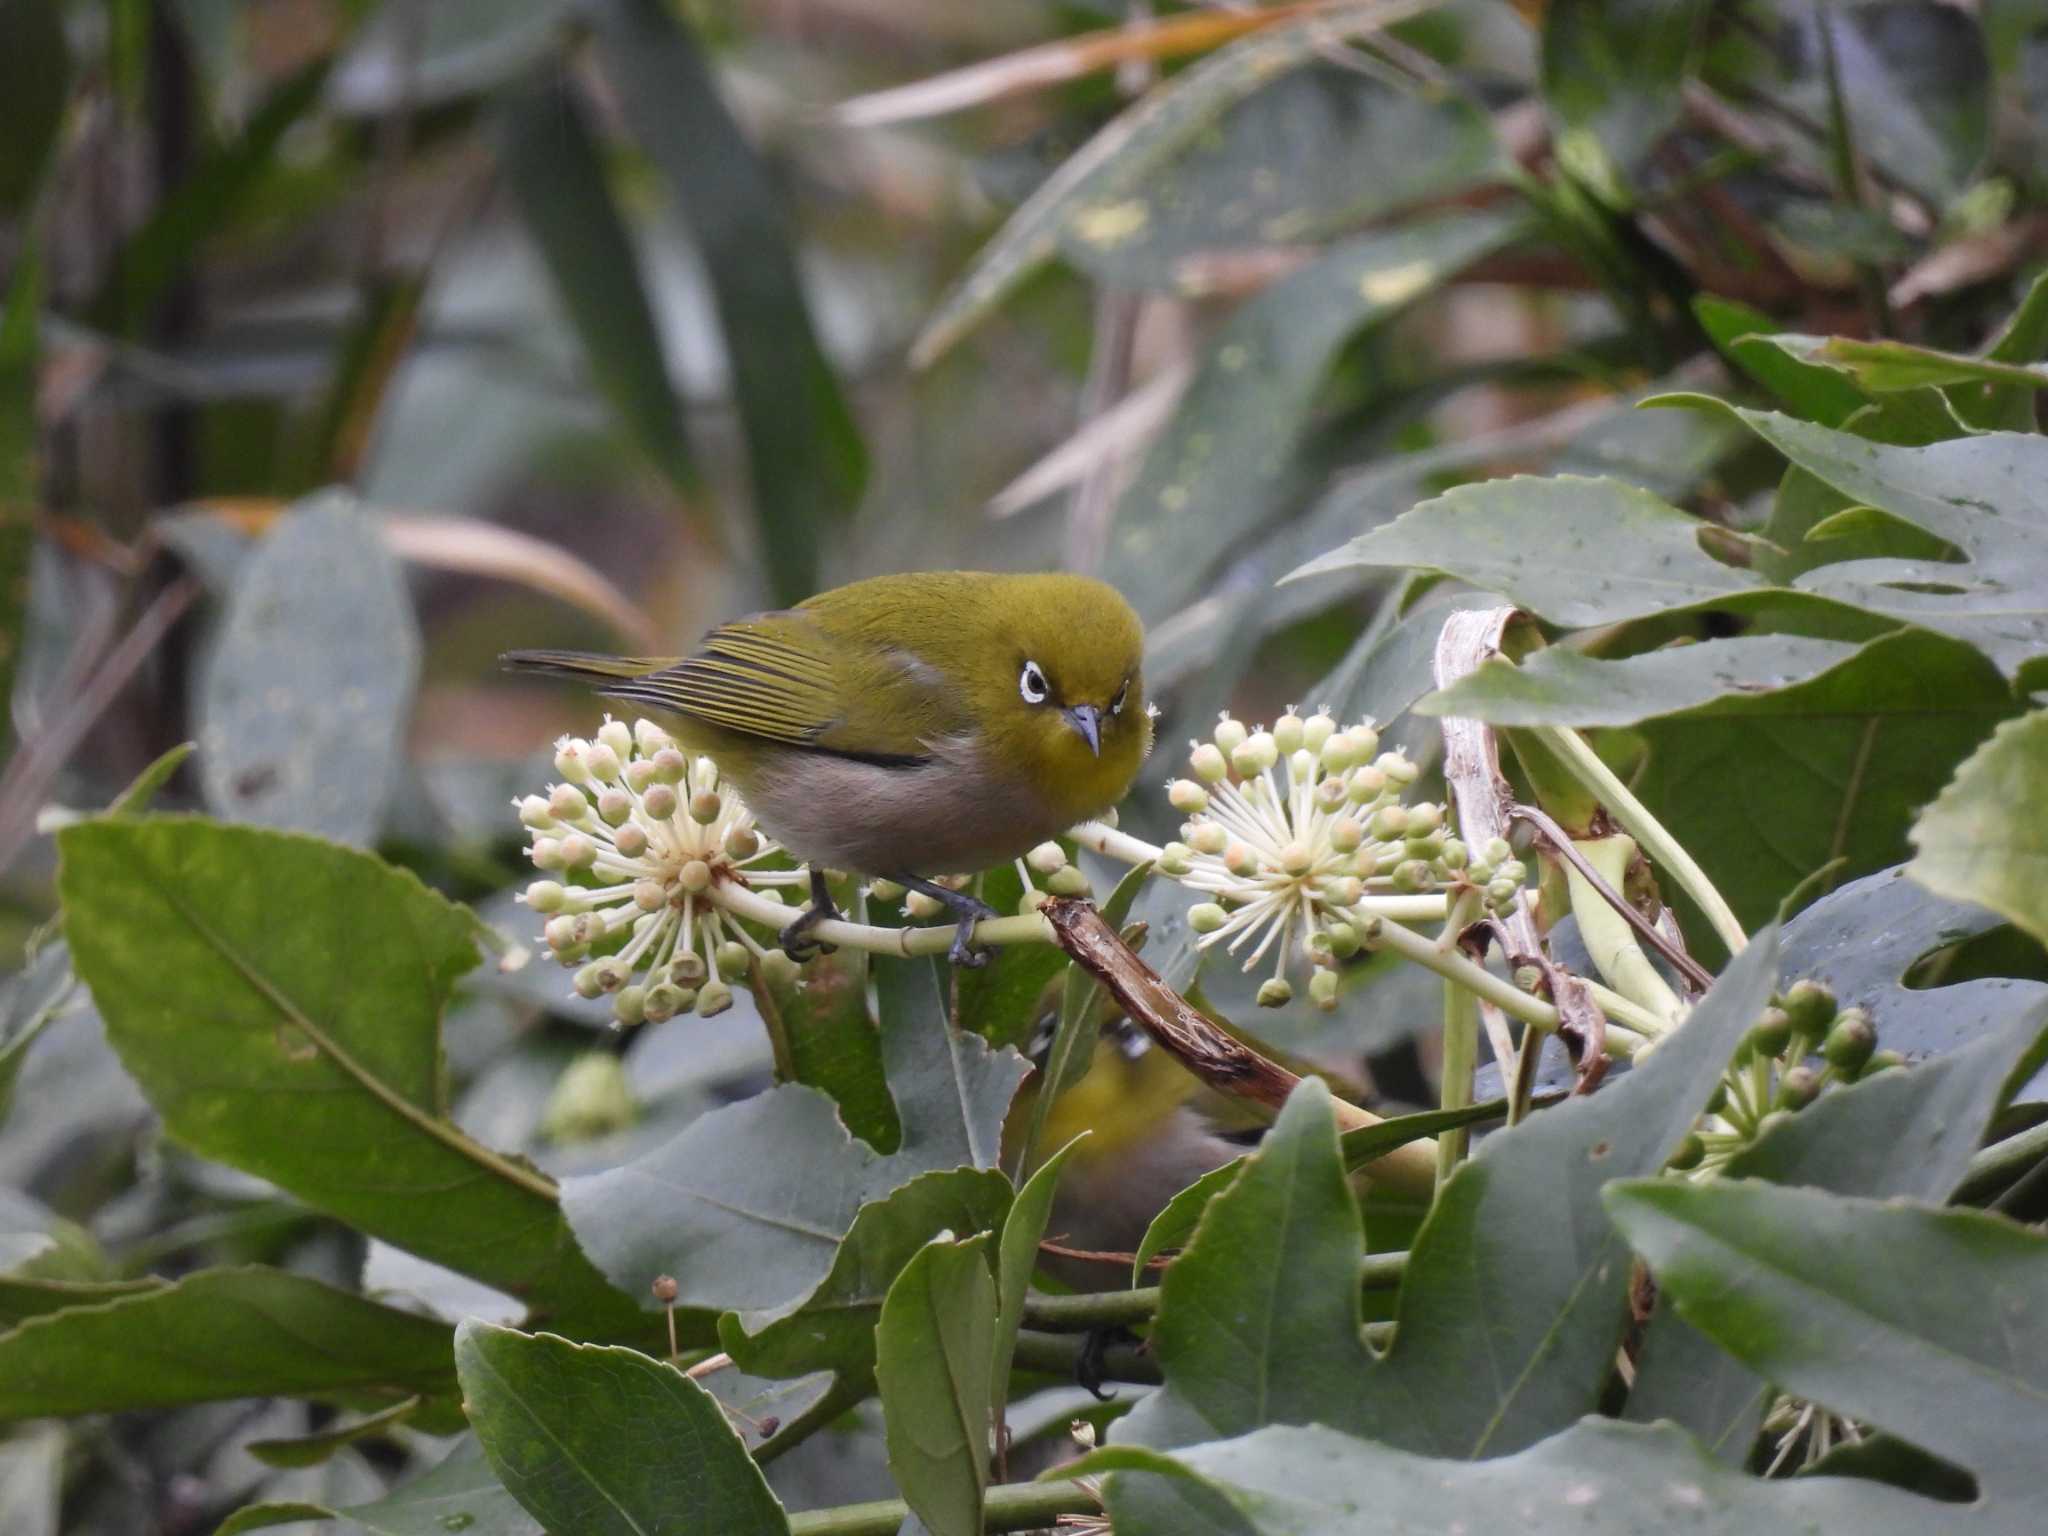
(963,951)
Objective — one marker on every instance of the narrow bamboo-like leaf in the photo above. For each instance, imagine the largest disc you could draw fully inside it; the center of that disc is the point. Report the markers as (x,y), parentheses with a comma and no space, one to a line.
(604,1441)
(308,1051)
(311,1450)
(1016,1260)
(20,456)
(1985,840)
(1932,1324)
(215,1335)
(1212,476)
(935,1347)
(308,688)
(1612,73)
(804,450)
(556,170)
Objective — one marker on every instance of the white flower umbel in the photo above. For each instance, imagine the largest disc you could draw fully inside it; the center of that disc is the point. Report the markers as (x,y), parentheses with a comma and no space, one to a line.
(1299,833)
(632,841)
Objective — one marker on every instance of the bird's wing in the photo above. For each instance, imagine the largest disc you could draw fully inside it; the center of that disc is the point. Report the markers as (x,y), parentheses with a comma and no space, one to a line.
(781,677)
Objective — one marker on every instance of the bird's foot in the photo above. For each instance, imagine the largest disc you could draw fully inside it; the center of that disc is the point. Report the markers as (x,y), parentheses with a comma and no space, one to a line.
(1091,1365)
(795,941)
(969,909)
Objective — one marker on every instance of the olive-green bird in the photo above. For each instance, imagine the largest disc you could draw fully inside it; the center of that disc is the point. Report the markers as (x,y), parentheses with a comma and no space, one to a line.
(908,726)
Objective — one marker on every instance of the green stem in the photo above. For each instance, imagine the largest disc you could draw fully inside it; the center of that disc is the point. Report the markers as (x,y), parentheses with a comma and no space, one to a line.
(1454,965)
(1460,1060)
(2001,1162)
(1091,1309)
(1664,850)
(1610,939)
(1009,1507)
(929,940)
(1059,1354)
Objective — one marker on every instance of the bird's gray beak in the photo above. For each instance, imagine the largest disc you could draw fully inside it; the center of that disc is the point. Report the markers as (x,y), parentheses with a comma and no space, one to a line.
(1087,719)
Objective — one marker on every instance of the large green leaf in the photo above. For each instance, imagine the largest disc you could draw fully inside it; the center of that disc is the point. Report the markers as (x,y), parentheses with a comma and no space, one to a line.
(308,688)
(459,1495)
(1320,149)
(1577,551)
(804,452)
(1118,164)
(216,1334)
(822,1016)
(1744,335)
(557,172)
(1612,70)
(1984,495)
(1931,1324)
(1597,1478)
(603,1441)
(935,1348)
(747,1206)
(1863,939)
(1850,741)
(1023,1229)
(1985,840)
(279,1001)
(1214,474)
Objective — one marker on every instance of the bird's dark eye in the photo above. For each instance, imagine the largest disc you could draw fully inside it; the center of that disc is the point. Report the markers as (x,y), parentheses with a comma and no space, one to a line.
(1032,685)
(1117,705)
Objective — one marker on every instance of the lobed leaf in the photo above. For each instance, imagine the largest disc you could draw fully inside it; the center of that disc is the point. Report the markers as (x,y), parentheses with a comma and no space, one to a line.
(1985,839)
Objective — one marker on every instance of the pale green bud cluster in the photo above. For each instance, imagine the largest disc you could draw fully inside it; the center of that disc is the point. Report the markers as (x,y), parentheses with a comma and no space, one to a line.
(1292,831)
(633,837)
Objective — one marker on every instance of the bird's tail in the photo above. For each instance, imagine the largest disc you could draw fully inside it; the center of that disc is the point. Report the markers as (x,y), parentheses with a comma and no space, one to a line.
(601,672)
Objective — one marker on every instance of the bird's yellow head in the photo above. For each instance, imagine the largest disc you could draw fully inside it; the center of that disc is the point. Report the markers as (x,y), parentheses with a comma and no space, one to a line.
(1056,683)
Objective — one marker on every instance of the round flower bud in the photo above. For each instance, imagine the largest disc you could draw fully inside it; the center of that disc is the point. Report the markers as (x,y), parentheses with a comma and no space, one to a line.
(617,735)
(885,890)
(1811,1006)
(1244,758)
(1513,869)
(1851,1041)
(1176,859)
(649,895)
(614,806)
(1067,881)
(1718,1099)
(1296,859)
(1208,763)
(663,1002)
(1775,1120)
(629,1005)
(567,803)
(560,933)
(1322,990)
(660,801)
(631,840)
(665,1290)
(1365,864)
(1264,749)
(1301,766)
(1046,858)
(578,851)
(1343,940)
(1479,873)
(742,842)
(705,806)
(1498,851)
(1413,876)
(1290,732)
(1329,794)
(1691,1152)
(1275,992)
(688,968)
(778,970)
(1315,946)
(590,1100)
(733,959)
(1343,890)
(1337,753)
(1799,1087)
(669,766)
(534,812)
(1397,768)
(1032,901)
(1424,819)
(1771,1033)
(570,763)
(1366,785)
(1453,855)
(1346,834)
(546,853)
(1239,859)
(612,973)
(649,738)
(1365,741)
(713,998)
(585,982)
(639,774)
(1390,822)
(1425,848)
(1501,892)
(921,906)
(546,896)
(694,876)
(604,763)
(1229,735)
(1317,730)
(1882,1061)
(1207,917)
(1207,837)
(1187,797)
(1528,978)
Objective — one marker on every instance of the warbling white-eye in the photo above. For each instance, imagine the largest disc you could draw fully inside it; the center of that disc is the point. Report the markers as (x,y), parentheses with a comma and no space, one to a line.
(908,726)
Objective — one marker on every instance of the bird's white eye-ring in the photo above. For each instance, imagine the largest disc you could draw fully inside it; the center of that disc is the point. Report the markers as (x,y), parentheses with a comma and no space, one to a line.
(1032,685)
(1117,707)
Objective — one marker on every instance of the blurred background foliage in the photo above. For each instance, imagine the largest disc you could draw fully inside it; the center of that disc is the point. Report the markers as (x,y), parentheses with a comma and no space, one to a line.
(349,342)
